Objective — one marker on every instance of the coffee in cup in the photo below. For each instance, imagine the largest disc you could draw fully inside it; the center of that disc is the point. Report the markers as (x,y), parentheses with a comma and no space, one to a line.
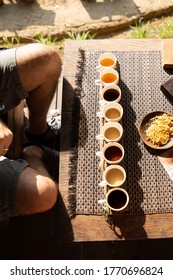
(111,112)
(109,94)
(112,153)
(111,132)
(113,176)
(117,199)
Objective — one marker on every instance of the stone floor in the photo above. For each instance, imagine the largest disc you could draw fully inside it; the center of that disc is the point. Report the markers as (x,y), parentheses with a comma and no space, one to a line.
(56,17)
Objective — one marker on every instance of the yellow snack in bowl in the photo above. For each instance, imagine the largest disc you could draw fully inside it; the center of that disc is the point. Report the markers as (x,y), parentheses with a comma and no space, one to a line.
(160,129)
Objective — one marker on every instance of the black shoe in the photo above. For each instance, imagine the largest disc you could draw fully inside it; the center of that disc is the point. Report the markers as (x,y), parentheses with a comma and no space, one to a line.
(51,138)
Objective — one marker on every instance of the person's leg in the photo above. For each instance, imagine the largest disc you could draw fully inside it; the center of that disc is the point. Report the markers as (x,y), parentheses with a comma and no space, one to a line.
(39,67)
(36,192)
(26,187)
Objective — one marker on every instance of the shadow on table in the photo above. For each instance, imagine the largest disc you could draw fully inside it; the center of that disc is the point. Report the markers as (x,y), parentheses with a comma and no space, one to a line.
(129,225)
(72,111)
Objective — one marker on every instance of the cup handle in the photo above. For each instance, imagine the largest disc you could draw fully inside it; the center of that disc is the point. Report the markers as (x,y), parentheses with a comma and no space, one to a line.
(100,114)
(97,82)
(102,102)
(101,201)
(98,68)
(102,184)
(99,154)
(99,137)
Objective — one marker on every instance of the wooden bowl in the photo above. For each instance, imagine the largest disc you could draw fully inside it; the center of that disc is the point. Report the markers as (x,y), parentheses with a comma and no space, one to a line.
(143,127)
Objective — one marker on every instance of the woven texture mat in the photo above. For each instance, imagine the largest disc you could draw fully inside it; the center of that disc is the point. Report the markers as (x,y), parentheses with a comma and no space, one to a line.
(150,188)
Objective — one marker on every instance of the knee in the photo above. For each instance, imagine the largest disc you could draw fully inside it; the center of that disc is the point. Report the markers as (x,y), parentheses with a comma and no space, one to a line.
(36,196)
(53,59)
(47,194)
(44,61)
(46,188)
(32,151)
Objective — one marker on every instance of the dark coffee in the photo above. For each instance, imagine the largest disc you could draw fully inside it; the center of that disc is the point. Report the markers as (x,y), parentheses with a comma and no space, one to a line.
(113,153)
(111,94)
(117,199)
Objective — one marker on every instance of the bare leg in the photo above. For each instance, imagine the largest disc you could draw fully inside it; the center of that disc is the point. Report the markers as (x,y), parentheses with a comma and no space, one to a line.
(39,68)
(36,191)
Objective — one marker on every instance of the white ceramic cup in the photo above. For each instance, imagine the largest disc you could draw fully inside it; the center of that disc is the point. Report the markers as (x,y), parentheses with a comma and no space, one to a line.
(112,153)
(106,60)
(108,76)
(109,94)
(113,176)
(111,132)
(111,112)
(117,199)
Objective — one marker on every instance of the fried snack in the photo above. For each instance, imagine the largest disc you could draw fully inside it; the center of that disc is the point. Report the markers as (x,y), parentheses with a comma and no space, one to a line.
(160,129)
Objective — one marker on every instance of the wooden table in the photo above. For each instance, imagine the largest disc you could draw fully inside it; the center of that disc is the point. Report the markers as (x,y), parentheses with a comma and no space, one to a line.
(95,228)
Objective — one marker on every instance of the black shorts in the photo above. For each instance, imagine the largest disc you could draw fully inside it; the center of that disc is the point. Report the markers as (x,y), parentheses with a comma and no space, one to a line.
(11,89)
(11,93)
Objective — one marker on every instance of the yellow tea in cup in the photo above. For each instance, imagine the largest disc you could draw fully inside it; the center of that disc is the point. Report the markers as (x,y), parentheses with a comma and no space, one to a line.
(109,78)
(107,62)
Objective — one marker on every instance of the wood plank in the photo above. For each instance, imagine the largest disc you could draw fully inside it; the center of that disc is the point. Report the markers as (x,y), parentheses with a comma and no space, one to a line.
(135,227)
(167,54)
(87,228)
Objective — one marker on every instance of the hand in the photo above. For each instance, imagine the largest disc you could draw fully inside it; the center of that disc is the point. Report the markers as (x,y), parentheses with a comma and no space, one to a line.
(6,137)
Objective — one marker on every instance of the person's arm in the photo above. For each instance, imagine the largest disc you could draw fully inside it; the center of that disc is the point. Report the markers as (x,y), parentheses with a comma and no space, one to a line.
(6,137)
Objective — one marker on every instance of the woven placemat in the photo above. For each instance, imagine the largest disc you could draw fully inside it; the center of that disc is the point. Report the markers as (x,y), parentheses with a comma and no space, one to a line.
(149,186)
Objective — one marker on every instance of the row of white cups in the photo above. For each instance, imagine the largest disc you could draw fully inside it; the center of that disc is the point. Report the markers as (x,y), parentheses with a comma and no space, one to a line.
(111,152)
